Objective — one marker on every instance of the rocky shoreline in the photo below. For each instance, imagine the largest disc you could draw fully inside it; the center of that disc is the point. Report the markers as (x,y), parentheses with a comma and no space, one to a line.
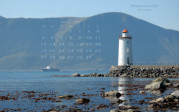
(160,94)
(157,102)
(140,71)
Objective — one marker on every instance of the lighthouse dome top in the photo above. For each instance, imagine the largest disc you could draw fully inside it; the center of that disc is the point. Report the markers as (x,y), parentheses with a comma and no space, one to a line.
(124,31)
(125,34)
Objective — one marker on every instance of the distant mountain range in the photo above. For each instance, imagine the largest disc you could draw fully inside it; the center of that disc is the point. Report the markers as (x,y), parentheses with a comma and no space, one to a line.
(91,43)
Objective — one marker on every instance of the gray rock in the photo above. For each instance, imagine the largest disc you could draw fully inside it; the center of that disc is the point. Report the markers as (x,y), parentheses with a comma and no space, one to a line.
(161,79)
(175,94)
(154,106)
(168,84)
(131,110)
(176,86)
(115,101)
(123,75)
(155,86)
(142,92)
(176,101)
(111,94)
(169,98)
(114,68)
(115,110)
(158,100)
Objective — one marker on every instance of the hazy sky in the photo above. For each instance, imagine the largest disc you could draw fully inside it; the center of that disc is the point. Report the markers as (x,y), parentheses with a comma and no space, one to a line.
(164,13)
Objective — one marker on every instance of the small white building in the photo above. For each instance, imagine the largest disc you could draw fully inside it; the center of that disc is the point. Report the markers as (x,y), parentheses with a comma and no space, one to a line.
(125,49)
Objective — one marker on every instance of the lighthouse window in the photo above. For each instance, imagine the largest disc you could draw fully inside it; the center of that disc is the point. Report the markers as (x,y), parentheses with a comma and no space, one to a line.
(127,42)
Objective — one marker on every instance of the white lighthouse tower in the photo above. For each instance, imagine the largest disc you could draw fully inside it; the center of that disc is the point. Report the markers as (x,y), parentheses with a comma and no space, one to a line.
(125,49)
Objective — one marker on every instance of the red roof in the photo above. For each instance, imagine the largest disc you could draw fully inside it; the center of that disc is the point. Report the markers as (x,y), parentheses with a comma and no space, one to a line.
(124,31)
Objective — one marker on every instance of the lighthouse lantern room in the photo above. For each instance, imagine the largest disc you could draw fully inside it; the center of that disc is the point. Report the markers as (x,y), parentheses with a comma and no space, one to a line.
(125,49)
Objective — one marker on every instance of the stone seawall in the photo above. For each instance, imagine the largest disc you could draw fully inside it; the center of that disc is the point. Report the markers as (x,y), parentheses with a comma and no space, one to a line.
(143,71)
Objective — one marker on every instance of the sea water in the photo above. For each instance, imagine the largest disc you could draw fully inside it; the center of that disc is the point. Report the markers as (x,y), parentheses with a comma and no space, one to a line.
(17,85)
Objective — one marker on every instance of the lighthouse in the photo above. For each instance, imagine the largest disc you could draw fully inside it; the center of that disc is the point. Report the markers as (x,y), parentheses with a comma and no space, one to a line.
(125,49)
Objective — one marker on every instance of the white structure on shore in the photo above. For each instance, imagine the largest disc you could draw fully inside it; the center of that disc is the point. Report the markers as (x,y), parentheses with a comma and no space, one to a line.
(125,49)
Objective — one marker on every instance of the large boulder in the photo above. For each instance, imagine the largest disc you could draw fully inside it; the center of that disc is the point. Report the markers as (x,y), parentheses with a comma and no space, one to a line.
(155,86)
(161,79)
(159,83)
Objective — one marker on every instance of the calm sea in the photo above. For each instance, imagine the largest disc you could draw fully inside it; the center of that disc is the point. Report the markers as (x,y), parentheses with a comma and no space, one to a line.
(23,89)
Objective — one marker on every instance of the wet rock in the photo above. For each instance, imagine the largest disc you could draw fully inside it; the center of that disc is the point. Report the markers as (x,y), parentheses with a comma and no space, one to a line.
(101,106)
(142,92)
(111,94)
(75,110)
(76,75)
(82,101)
(176,101)
(158,100)
(155,86)
(161,79)
(166,102)
(130,110)
(66,97)
(168,84)
(176,86)
(169,98)
(175,94)
(115,101)
(4,98)
(53,111)
(115,110)
(142,102)
(154,106)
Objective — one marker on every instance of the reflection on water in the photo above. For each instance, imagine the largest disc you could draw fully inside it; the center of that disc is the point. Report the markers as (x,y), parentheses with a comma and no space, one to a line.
(126,90)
